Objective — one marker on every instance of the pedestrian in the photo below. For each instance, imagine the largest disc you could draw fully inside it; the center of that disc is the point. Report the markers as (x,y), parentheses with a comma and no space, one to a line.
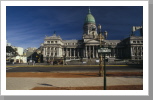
(51,62)
(13,62)
(28,62)
(33,62)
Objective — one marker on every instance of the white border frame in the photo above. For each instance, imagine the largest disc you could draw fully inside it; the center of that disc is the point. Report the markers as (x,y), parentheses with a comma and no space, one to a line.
(74,3)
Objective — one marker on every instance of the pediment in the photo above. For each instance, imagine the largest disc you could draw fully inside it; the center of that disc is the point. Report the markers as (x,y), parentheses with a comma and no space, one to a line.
(91,41)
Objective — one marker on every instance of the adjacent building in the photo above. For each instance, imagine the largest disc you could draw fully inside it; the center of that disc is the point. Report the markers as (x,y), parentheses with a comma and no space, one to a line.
(20,58)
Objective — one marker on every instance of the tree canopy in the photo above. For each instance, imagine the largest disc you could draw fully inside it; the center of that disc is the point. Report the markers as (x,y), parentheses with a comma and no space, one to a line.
(9,49)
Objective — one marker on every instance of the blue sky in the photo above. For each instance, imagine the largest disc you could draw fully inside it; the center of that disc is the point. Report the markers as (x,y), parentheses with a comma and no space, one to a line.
(26,26)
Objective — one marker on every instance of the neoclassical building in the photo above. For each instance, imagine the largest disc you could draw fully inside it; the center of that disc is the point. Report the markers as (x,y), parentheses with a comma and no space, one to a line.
(56,48)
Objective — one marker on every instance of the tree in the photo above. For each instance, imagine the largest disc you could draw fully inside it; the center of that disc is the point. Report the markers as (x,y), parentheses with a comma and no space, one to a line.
(12,52)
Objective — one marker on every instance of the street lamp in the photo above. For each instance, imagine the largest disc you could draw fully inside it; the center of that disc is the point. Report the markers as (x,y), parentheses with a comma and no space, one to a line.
(64,58)
(102,50)
(101,38)
(39,56)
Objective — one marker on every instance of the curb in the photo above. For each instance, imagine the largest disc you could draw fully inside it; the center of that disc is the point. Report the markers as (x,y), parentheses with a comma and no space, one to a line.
(64,65)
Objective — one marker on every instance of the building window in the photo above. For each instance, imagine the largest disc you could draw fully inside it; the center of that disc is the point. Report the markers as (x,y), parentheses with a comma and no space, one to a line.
(134,41)
(52,41)
(48,41)
(131,41)
(138,42)
(55,41)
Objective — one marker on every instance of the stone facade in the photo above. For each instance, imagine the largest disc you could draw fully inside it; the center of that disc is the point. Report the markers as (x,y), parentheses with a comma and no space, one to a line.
(56,48)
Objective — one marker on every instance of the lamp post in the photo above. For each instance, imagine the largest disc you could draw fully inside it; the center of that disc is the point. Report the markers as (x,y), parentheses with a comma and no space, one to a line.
(63,58)
(100,57)
(102,50)
(39,54)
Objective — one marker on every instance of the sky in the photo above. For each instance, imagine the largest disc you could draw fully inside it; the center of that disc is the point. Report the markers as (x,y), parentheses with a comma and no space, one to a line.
(27,26)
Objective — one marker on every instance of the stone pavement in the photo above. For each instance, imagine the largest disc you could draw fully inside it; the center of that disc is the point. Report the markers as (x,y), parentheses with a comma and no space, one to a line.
(22,83)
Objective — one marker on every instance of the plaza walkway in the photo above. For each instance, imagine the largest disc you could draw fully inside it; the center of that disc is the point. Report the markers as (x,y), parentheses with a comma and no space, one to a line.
(28,83)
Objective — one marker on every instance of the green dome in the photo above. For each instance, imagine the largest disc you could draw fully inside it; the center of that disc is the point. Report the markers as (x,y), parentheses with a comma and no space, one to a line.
(89,18)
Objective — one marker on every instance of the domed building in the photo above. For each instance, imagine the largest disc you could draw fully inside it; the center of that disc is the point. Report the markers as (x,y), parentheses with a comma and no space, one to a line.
(87,48)
(89,26)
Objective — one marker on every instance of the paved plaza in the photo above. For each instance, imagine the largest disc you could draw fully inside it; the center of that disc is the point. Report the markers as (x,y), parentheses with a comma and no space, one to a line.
(22,83)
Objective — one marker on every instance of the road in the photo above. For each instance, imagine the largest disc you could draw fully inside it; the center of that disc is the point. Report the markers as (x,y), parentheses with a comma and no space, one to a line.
(74,69)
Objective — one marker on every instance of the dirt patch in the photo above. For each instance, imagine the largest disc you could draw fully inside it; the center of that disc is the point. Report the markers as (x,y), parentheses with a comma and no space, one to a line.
(69,75)
(118,87)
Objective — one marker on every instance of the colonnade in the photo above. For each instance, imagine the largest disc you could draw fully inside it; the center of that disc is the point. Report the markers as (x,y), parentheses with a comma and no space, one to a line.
(71,52)
(51,51)
(91,51)
(137,51)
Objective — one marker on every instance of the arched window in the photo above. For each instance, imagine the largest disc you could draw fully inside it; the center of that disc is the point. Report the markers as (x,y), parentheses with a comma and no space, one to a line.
(48,41)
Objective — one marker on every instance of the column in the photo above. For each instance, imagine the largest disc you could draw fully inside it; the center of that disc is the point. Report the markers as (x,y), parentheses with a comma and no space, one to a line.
(96,52)
(89,53)
(50,52)
(117,52)
(57,51)
(53,52)
(44,52)
(70,52)
(114,52)
(66,52)
(111,52)
(74,52)
(78,52)
(141,51)
(62,52)
(137,50)
(93,52)
(131,51)
(86,52)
